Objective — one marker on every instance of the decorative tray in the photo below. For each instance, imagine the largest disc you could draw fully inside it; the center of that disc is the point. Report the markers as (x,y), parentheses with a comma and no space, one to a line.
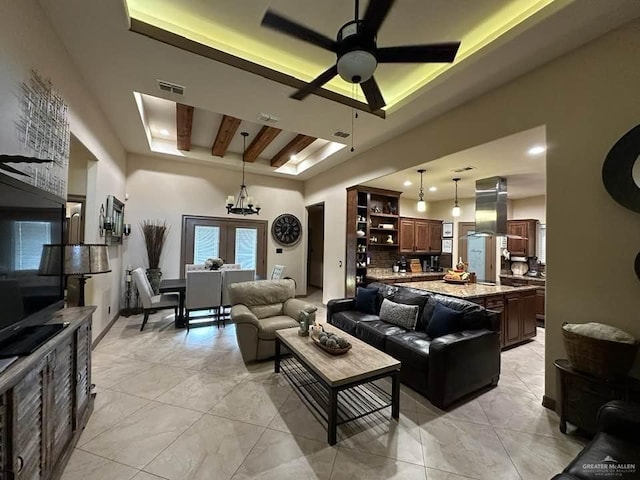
(332,351)
(459,282)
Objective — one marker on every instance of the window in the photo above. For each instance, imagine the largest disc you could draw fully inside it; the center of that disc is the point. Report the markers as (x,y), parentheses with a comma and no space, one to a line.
(206,243)
(29,237)
(247,248)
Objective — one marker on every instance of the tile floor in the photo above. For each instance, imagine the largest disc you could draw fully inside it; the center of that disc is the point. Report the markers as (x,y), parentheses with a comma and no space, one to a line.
(178,406)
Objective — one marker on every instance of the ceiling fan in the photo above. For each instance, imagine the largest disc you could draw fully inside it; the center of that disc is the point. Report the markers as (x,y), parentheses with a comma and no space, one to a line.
(357,52)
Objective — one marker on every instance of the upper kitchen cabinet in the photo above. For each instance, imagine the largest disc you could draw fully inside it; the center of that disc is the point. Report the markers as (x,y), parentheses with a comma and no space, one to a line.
(419,235)
(526,245)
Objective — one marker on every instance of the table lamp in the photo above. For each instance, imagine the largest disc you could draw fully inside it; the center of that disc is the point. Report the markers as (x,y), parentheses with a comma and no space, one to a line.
(80,261)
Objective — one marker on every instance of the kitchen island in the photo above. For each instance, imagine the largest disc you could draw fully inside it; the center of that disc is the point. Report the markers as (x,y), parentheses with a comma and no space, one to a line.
(387,275)
(516,305)
(539,282)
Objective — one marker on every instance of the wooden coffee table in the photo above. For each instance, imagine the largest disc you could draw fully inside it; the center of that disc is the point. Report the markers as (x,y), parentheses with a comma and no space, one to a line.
(339,388)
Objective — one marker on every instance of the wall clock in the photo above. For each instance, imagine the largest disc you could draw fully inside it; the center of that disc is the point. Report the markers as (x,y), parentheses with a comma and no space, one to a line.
(286,229)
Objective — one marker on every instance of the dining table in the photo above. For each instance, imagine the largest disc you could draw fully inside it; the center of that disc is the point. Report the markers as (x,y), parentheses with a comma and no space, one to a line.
(179,286)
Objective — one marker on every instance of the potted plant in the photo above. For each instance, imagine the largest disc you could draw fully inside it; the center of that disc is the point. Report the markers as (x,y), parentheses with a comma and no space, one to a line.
(155,234)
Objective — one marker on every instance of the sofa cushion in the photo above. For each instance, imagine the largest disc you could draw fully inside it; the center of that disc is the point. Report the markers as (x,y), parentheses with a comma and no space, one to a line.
(376,332)
(602,446)
(404,316)
(406,296)
(271,310)
(411,348)
(348,320)
(367,300)
(268,326)
(474,316)
(444,320)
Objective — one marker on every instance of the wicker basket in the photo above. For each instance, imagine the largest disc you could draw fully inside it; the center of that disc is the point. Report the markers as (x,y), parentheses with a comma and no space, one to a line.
(600,358)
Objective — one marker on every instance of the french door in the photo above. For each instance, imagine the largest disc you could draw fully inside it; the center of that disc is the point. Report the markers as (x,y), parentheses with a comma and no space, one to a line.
(234,240)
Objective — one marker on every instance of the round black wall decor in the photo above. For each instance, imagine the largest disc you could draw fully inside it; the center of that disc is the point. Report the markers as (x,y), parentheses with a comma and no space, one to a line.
(617,171)
(286,229)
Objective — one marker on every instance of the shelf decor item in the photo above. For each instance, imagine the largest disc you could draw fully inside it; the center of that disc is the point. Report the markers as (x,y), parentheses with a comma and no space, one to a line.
(155,235)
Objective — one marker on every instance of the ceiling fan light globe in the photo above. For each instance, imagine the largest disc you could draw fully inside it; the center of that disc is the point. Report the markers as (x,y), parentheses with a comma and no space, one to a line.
(357,66)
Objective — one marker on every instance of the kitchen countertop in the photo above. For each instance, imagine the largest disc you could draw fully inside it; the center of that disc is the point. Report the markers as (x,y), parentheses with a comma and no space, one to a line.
(469,290)
(524,277)
(382,274)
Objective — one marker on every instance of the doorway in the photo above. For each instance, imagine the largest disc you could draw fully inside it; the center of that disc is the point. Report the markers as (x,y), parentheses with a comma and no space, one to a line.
(315,248)
(235,241)
(478,252)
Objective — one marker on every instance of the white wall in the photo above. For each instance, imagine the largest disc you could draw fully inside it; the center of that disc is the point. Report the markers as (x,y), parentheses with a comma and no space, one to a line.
(28,42)
(532,207)
(167,189)
(583,99)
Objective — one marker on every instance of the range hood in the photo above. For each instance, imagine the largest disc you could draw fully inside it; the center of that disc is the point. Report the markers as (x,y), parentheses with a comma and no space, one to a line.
(491,206)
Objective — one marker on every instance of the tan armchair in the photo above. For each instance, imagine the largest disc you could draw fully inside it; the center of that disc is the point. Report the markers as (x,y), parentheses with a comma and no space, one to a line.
(259,309)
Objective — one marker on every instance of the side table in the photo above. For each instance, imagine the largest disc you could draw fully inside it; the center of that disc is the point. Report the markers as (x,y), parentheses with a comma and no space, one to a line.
(581,395)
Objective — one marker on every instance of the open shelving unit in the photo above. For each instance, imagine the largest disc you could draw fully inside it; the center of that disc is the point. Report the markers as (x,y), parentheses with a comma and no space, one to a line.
(367,209)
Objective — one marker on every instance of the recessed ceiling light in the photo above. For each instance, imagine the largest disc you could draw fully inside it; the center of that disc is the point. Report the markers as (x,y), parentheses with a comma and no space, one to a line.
(537,150)
(433,189)
(164,132)
(293,158)
(407,183)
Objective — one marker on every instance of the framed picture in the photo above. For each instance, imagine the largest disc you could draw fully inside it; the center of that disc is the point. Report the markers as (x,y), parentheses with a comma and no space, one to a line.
(447,245)
(447,230)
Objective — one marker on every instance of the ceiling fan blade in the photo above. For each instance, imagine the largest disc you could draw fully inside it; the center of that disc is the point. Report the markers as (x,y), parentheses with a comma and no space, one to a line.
(316,83)
(377,11)
(434,53)
(373,94)
(291,28)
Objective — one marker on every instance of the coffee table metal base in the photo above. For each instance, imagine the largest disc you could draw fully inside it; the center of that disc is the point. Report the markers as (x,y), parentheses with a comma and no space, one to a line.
(338,405)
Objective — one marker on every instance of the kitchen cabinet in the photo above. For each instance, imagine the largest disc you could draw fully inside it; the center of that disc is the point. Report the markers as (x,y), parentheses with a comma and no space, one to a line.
(525,246)
(514,281)
(418,235)
(374,212)
(45,402)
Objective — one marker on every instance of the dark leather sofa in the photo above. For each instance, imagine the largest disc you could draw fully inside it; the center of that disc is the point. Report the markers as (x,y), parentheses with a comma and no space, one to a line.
(443,369)
(614,452)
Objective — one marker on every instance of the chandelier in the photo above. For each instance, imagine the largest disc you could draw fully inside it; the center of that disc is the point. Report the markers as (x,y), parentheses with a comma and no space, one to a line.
(244,205)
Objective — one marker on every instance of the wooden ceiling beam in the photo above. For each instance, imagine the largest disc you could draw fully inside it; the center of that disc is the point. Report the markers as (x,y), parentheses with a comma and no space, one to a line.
(184,124)
(227,130)
(295,146)
(265,136)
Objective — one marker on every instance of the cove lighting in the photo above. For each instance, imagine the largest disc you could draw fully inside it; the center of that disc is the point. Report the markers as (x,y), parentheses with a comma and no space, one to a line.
(164,132)
(537,150)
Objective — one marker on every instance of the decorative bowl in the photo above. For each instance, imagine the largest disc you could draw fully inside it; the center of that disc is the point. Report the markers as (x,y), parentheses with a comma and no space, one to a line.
(332,351)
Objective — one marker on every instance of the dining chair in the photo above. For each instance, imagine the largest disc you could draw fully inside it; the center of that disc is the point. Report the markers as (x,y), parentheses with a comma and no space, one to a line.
(193,267)
(278,272)
(230,277)
(149,300)
(203,292)
(231,266)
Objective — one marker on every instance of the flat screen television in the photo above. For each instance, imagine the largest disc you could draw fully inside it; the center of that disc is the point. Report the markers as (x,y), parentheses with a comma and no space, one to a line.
(29,219)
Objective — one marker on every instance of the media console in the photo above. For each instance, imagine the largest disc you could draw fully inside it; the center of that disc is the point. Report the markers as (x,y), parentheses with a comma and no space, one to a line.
(46,400)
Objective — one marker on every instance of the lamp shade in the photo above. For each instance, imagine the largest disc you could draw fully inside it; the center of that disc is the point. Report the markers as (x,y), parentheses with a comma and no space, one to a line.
(455,211)
(81,259)
(422,206)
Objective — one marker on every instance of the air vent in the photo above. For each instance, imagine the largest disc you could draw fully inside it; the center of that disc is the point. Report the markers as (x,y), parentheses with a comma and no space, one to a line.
(170,87)
(267,118)
(341,134)
(463,169)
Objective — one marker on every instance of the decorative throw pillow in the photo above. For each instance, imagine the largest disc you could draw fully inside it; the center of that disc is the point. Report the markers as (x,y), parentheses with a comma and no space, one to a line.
(444,320)
(367,300)
(404,316)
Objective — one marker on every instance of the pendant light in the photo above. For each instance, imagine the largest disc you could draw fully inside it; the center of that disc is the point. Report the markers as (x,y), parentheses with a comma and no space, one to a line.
(422,205)
(244,205)
(455,211)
